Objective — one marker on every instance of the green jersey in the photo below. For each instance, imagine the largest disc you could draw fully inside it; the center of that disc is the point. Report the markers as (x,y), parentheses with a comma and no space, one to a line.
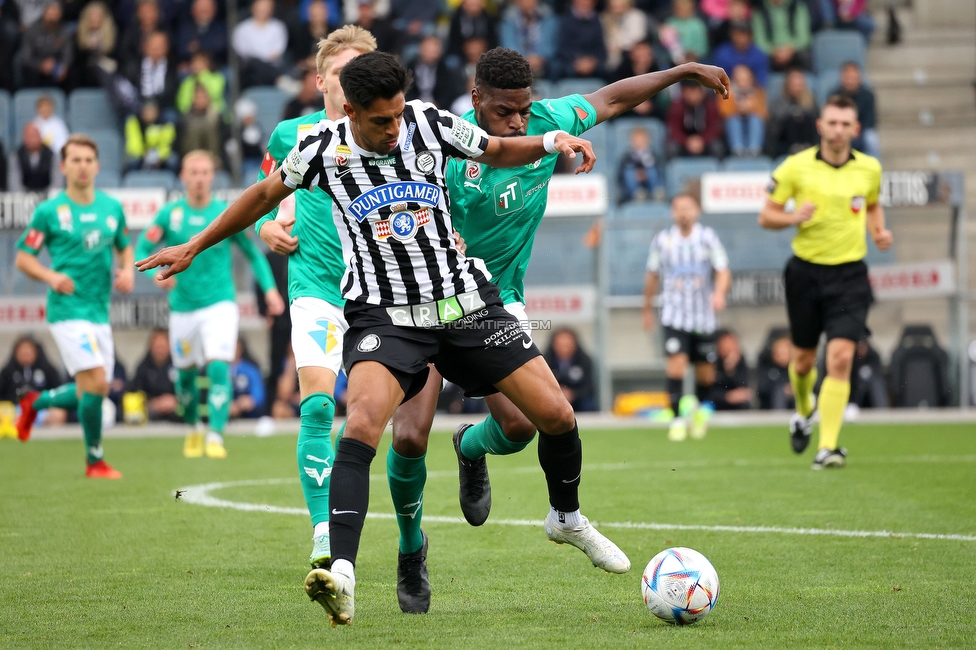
(498,211)
(210,278)
(316,267)
(80,239)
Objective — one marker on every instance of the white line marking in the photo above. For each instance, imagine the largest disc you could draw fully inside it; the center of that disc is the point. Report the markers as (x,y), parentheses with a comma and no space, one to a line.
(200,495)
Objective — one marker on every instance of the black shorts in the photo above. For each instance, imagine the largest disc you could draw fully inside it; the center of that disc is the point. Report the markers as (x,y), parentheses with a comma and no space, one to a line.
(700,348)
(831,299)
(474,351)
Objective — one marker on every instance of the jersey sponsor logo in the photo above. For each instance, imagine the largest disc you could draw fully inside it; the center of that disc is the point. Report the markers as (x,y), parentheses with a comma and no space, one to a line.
(468,305)
(340,160)
(65,220)
(369,343)
(508,196)
(199,220)
(154,234)
(858,203)
(472,170)
(176,219)
(580,113)
(294,167)
(87,217)
(92,239)
(425,162)
(268,164)
(325,338)
(534,165)
(389,161)
(34,239)
(408,140)
(462,133)
(390,193)
(403,225)
(303,130)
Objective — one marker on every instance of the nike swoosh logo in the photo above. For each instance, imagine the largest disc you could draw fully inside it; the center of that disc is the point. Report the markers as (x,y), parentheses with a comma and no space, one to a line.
(527,344)
(344,512)
(567,482)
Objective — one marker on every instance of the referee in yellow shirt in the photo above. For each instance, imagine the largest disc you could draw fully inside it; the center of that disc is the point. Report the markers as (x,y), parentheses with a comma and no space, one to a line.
(836,192)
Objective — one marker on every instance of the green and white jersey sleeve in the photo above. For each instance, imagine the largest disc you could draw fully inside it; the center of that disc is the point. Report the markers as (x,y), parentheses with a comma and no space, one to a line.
(316,267)
(498,211)
(81,240)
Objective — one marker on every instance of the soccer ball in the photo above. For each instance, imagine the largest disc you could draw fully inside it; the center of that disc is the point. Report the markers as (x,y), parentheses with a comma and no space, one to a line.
(680,586)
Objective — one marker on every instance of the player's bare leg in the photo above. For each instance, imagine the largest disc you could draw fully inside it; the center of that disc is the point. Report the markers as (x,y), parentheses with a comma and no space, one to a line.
(803,377)
(534,391)
(374,393)
(834,394)
(674,369)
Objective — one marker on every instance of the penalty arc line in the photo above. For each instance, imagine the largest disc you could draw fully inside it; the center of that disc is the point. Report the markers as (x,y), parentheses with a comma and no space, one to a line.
(200,495)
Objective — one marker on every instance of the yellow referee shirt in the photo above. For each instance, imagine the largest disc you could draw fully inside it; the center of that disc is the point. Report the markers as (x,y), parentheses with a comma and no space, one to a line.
(836,233)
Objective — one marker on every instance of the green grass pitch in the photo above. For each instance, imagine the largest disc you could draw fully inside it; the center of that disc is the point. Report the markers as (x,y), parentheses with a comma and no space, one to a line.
(98,564)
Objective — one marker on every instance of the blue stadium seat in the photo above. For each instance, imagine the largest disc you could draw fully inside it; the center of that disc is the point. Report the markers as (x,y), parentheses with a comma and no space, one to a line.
(109,148)
(648,211)
(108,178)
(25,107)
(271,105)
(6,136)
(774,85)
(89,109)
(680,170)
(750,248)
(222,180)
(834,48)
(580,86)
(629,241)
(150,178)
(558,254)
(543,88)
(751,164)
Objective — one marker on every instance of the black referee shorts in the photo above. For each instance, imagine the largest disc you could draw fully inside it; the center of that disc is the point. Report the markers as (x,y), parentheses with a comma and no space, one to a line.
(475,350)
(823,298)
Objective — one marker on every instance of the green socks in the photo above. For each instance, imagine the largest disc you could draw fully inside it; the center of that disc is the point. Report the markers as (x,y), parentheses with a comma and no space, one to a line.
(407,477)
(316,454)
(63,397)
(90,416)
(218,395)
(188,394)
(486,437)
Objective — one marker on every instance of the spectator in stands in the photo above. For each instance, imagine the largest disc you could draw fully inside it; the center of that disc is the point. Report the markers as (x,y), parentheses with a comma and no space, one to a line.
(47,50)
(640,60)
(308,100)
(33,167)
(147,20)
(304,37)
(54,132)
(9,39)
(573,369)
(854,14)
(202,31)
(691,30)
(150,142)
(260,42)
(388,39)
(773,376)
(782,30)
(868,387)
(249,395)
(792,118)
(29,11)
(744,113)
(471,20)
(95,45)
(415,19)
(715,12)
(694,125)
(637,175)
(433,79)
(154,75)
(155,377)
(200,127)
(253,138)
(530,29)
(623,27)
(581,51)
(735,11)
(472,49)
(731,391)
(201,72)
(852,85)
(287,396)
(28,369)
(741,50)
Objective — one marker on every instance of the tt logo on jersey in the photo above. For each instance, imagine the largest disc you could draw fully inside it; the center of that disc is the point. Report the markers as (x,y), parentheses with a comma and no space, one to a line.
(508,196)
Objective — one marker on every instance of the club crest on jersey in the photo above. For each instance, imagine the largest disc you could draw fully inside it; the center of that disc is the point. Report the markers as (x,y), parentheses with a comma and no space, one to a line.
(472,170)
(392,193)
(425,162)
(857,204)
(369,343)
(64,218)
(112,223)
(176,219)
(402,226)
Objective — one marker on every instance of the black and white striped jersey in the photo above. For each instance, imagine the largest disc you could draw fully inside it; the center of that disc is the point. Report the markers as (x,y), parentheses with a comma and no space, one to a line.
(686,267)
(392,211)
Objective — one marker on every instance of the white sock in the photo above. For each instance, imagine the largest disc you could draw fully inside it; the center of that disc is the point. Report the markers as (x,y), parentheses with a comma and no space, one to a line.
(346,569)
(321,528)
(567,519)
(213,436)
(199,427)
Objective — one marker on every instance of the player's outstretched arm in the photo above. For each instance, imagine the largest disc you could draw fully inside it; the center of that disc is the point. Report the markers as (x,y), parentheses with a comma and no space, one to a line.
(254,203)
(518,151)
(622,96)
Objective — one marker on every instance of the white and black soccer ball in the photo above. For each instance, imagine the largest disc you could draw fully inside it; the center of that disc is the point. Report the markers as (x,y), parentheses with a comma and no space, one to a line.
(680,586)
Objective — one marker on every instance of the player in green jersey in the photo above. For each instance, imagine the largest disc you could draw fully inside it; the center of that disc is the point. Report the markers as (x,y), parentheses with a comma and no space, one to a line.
(80,227)
(203,312)
(315,269)
(497,212)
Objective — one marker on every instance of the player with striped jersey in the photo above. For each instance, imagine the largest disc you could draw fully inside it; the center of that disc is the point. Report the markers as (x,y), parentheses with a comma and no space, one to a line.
(411,296)
(690,266)
(203,312)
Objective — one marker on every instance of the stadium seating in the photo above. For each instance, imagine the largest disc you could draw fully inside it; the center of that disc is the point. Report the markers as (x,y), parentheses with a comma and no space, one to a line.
(109,148)
(580,86)
(828,81)
(558,255)
(750,164)
(25,107)
(151,178)
(620,139)
(774,85)
(108,178)
(6,137)
(222,180)
(749,247)
(681,170)
(543,88)
(630,241)
(919,369)
(271,105)
(89,109)
(650,210)
(832,49)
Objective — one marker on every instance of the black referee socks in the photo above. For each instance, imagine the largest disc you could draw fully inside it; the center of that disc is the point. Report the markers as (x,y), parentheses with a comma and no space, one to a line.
(561,458)
(349,497)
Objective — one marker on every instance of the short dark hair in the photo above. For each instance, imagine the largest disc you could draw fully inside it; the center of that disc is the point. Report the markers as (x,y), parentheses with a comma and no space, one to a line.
(503,69)
(372,76)
(841,101)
